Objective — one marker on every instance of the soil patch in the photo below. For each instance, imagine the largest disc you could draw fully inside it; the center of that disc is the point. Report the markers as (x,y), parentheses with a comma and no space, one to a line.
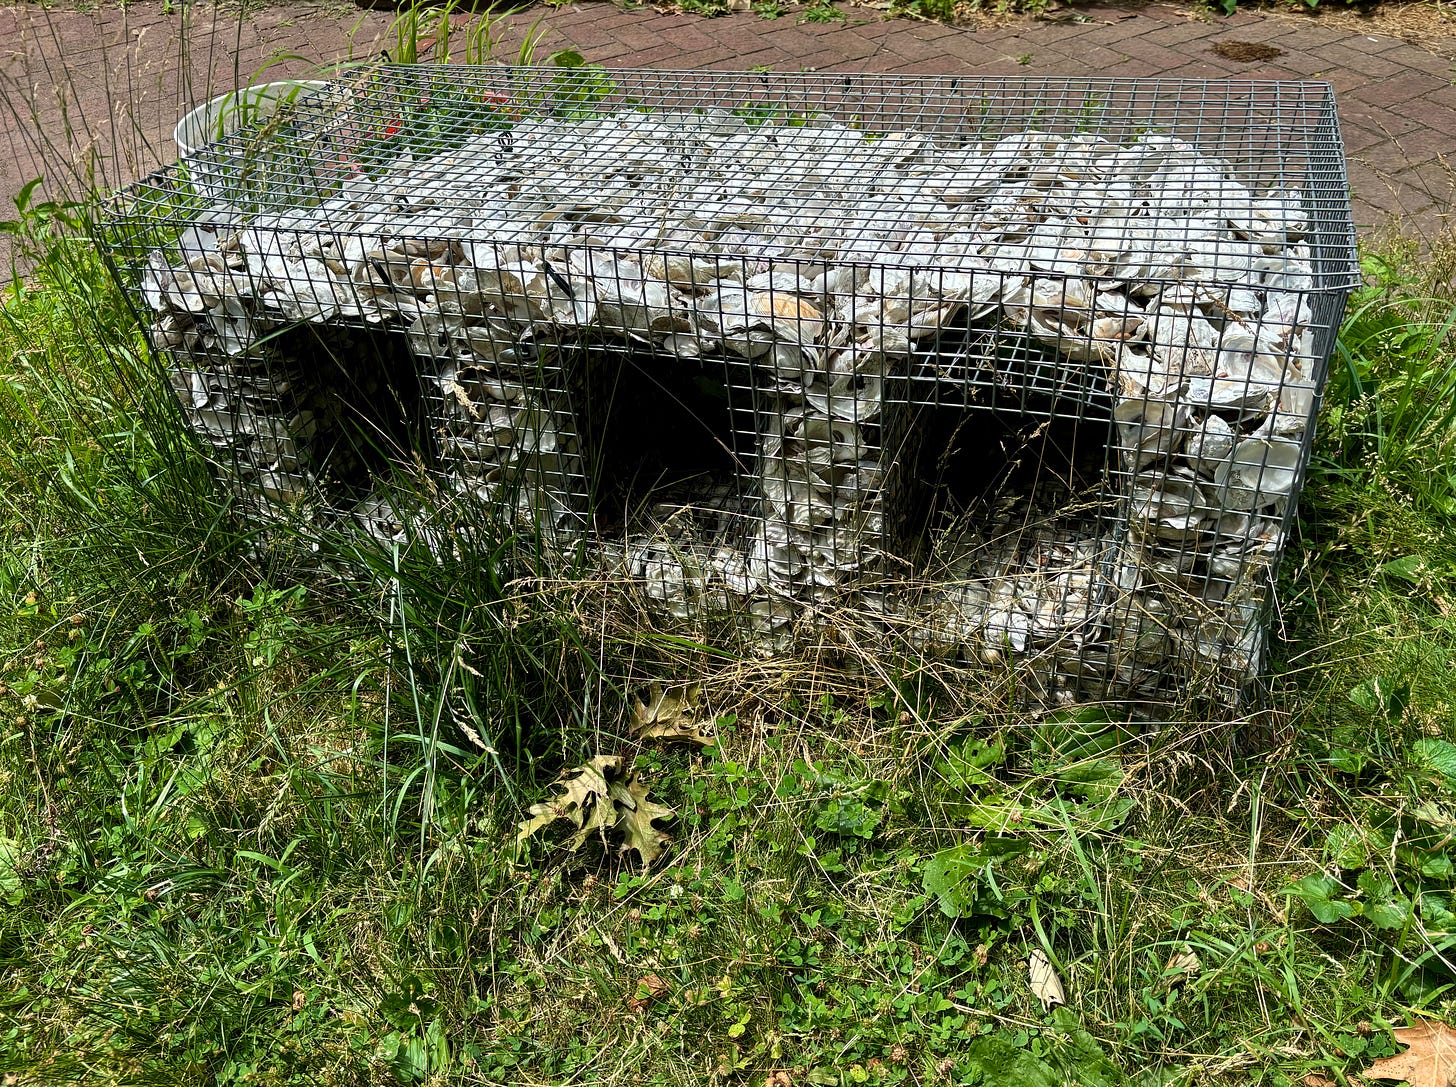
(1247,52)
(1430,24)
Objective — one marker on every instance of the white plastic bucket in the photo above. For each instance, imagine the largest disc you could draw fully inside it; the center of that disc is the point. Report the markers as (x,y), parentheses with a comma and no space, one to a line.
(225,114)
(212,171)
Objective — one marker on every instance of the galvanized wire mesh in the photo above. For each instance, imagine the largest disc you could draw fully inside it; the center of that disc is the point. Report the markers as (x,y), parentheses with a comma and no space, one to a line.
(1029,368)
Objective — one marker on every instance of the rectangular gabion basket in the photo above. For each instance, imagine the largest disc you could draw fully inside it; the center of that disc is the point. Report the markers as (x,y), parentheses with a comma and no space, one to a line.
(1027,368)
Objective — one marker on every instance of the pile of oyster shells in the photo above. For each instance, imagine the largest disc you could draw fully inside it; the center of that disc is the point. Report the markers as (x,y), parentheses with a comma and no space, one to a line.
(831,259)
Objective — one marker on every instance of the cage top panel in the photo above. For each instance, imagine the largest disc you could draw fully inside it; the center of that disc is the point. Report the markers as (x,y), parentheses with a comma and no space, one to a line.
(1111,178)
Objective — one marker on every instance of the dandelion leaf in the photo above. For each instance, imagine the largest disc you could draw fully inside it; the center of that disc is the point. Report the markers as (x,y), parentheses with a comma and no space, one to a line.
(968,765)
(12,886)
(961,878)
(991,1061)
(1438,756)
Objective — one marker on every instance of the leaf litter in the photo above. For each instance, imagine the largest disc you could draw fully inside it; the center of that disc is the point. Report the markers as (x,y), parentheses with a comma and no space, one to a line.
(600,796)
(673,715)
(1183,965)
(1429,1060)
(649,989)
(1045,985)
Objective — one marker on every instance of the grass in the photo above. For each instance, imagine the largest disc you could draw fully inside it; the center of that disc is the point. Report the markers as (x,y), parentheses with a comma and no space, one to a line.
(259,791)
(258,811)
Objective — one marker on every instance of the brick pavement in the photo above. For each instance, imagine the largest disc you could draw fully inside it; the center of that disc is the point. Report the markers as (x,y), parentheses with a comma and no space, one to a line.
(117,78)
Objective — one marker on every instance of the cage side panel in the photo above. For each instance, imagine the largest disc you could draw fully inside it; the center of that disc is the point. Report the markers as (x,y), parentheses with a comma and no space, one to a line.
(1094,438)
(1327,199)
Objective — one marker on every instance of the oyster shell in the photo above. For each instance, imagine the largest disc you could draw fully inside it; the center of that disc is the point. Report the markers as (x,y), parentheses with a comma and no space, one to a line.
(1148,429)
(1259,472)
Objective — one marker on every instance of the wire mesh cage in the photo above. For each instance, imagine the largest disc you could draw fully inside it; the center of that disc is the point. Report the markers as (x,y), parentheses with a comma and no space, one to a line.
(1027,368)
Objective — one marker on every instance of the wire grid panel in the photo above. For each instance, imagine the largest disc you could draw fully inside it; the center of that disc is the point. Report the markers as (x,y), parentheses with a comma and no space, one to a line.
(1035,362)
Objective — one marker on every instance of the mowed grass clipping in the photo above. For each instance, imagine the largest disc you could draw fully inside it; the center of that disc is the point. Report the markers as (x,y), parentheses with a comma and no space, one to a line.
(259,792)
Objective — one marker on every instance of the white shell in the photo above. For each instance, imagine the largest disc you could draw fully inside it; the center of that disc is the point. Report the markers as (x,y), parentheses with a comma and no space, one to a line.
(1259,472)
(1149,429)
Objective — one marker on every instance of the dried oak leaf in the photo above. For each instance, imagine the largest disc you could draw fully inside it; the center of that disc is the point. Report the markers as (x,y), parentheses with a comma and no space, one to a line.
(649,989)
(1430,1060)
(1045,984)
(636,813)
(671,715)
(600,797)
(585,802)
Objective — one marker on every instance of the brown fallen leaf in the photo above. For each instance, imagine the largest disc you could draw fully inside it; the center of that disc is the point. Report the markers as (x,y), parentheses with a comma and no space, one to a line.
(636,813)
(1182,965)
(779,1078)
(1045,984)
(649,989)
(1317,1079)
(671,715)
(598,797)
(584,802)
(1429,1060)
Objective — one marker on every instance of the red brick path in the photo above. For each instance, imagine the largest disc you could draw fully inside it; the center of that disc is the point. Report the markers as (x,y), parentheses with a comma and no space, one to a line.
(125,74)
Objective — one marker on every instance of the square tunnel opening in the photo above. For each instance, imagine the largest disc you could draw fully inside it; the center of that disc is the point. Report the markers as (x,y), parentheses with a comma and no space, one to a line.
(364,388)
(368,387)
(309,413)
(997,434)
(663,433)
